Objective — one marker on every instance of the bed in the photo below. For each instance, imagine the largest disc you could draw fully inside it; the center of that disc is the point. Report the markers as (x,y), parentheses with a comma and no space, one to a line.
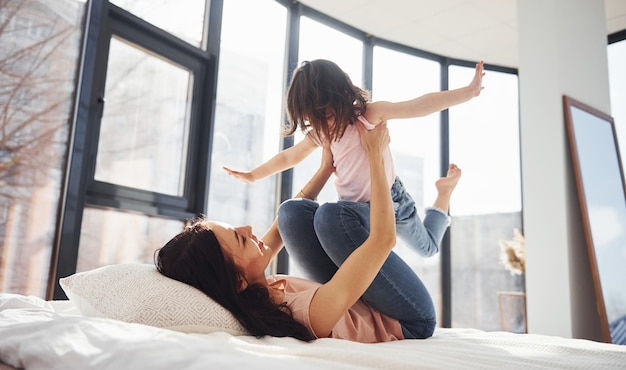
(131,317)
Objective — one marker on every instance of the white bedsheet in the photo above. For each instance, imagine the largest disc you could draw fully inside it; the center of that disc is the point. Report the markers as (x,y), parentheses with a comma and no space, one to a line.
(35,336)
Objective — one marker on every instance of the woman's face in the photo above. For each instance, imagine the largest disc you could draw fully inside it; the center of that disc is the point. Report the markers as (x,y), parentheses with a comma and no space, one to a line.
(248,253)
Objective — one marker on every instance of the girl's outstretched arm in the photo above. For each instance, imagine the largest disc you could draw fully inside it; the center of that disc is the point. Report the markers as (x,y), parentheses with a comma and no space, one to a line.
(284,160)
(381,111)
(311,190)
(333,299)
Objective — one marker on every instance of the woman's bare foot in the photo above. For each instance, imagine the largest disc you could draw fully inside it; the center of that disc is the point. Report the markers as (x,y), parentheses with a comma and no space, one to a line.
(445,186)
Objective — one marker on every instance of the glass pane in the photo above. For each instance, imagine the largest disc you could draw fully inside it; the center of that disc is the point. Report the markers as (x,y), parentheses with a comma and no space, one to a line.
(110,237)
(39,55)
(185,19)
(486,207)
(347,52)
(248,111)
(617,82)
(491,167)
(144,129)
(414,143)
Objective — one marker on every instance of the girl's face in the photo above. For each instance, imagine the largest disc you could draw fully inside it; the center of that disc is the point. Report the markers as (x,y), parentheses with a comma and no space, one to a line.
(248,253)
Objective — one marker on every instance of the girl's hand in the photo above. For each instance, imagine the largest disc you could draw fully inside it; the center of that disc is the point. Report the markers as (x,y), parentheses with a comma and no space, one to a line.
(376,139)
(476,86)
(242,176)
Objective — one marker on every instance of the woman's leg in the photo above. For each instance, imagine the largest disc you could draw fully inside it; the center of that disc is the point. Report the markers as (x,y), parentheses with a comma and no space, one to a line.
(295,223)
(424,238)
(396,291)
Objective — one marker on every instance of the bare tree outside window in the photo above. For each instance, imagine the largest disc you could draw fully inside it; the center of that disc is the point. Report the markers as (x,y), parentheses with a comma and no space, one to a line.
(39,52)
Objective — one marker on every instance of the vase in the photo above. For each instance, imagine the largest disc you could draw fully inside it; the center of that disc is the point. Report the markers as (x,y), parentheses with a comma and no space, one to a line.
(513,311)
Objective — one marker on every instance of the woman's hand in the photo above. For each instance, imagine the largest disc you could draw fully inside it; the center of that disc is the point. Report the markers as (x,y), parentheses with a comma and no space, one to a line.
(356,273)
(374,141)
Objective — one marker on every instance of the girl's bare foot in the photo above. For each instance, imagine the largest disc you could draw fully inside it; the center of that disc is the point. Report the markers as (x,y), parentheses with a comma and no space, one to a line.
(448,183)
(445,185)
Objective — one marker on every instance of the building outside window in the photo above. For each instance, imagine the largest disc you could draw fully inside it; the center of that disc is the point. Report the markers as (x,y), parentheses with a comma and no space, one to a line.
(39,57)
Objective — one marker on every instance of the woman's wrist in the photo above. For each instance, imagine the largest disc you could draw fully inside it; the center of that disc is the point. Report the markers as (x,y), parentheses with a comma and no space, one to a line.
(305,195)
(326,171)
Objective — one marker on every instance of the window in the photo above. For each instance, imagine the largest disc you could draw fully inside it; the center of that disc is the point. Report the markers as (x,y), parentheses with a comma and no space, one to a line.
(184,19)
(347,53)
(41,48)
(111,237)
(486,206)
(145,124)
(248,113)
(141,163)
(140,141)
(415,143)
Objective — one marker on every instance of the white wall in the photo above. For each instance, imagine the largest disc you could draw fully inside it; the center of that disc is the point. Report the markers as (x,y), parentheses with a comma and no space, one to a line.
(562,50)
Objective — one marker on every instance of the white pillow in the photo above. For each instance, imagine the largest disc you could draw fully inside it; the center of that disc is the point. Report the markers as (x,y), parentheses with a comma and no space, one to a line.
(139,293)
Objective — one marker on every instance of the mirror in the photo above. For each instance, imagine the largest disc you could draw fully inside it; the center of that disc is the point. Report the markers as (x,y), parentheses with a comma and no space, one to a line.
(602,196)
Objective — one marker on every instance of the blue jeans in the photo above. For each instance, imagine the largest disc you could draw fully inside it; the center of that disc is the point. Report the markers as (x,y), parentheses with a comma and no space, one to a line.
(424,238)
(320,238)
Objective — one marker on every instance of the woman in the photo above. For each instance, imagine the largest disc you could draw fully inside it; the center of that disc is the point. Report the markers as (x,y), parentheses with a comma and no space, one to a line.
(228,264)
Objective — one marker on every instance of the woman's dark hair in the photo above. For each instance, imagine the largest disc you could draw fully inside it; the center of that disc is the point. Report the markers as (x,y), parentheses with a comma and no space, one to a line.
(318,90)
(195,257)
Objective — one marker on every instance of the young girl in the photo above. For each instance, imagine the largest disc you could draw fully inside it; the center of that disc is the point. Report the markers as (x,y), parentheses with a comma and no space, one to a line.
(228,264)
(327,107)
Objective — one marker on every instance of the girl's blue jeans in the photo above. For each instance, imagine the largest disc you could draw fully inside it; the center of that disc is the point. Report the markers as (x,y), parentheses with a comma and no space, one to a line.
(424,238)
(320,238)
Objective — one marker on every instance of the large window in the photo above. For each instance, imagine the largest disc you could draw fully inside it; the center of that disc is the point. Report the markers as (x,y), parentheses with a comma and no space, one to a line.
(111,237)
(139,150)
(486,206)
(141,172)
(39,58)
(185,19)
(248,112)
(347,52)
(170,93)
(415,143)
(145,124)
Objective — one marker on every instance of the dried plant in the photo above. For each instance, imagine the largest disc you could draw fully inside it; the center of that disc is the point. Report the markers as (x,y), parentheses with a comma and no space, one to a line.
(513,254)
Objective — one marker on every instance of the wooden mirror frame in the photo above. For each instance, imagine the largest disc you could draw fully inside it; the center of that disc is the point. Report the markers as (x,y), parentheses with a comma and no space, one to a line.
(599,192)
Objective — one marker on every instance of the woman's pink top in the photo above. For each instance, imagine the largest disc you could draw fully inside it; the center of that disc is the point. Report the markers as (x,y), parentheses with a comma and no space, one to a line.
(362,323)
(352,169)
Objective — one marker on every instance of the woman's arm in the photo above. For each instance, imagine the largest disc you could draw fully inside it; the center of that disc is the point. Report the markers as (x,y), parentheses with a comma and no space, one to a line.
(333,299)
(381,111)
(285,159)
(311,190)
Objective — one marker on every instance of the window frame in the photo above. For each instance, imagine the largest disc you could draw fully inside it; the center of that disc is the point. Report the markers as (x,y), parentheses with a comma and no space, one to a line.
(80,189)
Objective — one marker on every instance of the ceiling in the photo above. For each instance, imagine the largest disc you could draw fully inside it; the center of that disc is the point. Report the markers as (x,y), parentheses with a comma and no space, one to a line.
(463,29)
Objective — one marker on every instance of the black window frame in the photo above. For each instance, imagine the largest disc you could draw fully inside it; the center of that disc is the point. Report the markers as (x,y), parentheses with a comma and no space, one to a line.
(80,190)
(130,28)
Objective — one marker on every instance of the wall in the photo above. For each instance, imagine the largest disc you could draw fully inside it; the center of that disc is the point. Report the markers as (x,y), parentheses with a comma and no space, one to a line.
(562,50)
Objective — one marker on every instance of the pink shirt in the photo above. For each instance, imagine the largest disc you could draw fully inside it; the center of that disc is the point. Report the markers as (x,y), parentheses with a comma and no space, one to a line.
(362,323)
(352,168)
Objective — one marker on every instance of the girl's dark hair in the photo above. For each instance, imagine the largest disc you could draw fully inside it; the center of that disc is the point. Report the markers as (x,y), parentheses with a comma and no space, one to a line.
(195,257)
(318,90)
